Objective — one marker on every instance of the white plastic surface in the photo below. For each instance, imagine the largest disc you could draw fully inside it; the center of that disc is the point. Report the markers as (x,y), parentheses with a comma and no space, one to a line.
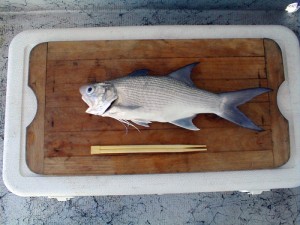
(21,107)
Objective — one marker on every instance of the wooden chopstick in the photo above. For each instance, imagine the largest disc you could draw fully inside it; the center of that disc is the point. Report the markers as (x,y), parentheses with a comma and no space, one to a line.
(125,149)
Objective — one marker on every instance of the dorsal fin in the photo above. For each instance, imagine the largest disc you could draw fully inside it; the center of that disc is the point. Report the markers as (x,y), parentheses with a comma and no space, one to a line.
(184,74)
(141,72)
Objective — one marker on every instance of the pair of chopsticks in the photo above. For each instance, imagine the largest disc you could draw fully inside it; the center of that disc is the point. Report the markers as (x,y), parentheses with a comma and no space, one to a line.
(132,149)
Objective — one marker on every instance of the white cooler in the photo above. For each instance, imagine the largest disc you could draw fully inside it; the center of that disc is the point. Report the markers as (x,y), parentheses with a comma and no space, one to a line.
(21,106)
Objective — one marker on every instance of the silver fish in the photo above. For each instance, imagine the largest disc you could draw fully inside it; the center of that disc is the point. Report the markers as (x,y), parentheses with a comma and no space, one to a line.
(142,99)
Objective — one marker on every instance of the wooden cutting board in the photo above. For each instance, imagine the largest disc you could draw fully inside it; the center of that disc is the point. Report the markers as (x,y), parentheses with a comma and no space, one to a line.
(60,136)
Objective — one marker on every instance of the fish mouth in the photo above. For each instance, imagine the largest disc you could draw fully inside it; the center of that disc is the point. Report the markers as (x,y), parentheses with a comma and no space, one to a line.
(97,111)
(87,101)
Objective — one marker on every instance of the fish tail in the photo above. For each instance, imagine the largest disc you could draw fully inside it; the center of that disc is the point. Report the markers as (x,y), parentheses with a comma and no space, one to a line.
(231,100)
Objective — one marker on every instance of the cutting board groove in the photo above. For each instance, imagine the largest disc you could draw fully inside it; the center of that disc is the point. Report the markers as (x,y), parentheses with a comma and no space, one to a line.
(59,138)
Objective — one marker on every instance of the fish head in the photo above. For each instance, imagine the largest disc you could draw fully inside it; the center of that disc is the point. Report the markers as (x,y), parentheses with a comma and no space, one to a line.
(98,97)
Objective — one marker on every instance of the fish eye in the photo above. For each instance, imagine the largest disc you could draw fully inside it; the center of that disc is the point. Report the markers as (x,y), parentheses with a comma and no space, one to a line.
(90,90)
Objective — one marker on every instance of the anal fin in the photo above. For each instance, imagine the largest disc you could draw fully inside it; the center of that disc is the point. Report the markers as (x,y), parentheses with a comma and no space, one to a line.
(186,123)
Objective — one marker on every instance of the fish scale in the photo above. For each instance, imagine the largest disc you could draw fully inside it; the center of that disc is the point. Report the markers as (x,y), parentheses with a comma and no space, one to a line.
(176,92)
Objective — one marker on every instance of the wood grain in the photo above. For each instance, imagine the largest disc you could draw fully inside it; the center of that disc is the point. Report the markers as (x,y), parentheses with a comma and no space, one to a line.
(225,65)
(186,162)
(132,49)
(224,139)
(83,71)
(35,131)
(280,137)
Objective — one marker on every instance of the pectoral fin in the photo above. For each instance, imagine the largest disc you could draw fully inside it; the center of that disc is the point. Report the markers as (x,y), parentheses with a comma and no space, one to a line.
(186,123)
(127,107)
(143,123)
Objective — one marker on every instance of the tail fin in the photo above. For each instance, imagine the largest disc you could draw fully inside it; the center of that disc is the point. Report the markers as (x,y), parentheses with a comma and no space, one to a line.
(231,100)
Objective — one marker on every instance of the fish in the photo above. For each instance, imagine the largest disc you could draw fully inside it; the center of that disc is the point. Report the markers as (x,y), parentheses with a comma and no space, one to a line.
(140,99)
